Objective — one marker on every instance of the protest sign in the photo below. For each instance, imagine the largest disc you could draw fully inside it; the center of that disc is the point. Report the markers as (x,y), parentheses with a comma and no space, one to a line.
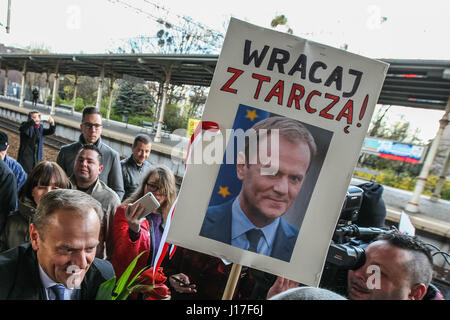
(308,107)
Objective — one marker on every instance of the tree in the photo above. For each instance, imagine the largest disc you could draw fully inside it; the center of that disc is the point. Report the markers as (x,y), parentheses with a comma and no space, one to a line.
(133,99)
(378,122)
(281,20)
(123,104)
(178,35)
(181,37)
(197,99)
(143,100)
(172,118)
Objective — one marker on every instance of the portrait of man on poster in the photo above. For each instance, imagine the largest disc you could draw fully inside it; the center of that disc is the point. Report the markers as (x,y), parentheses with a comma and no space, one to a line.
(270,184)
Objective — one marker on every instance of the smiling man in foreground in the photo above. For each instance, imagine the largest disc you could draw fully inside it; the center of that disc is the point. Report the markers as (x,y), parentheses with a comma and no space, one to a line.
(60,262)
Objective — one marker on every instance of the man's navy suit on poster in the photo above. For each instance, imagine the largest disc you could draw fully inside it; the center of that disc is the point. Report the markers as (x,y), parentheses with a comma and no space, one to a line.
(218,222)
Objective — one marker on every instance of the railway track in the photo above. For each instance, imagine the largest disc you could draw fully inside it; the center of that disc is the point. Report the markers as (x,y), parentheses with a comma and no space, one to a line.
(51,141)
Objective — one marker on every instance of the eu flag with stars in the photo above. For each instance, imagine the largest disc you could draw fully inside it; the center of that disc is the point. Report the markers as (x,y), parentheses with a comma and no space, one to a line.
(227,184)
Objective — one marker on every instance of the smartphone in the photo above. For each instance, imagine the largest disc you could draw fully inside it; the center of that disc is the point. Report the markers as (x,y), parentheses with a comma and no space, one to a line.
(44,117)
(149,202)
(181,282)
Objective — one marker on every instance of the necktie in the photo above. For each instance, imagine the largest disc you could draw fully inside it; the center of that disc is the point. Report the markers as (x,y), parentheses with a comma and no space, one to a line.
(253,236)
(58,290)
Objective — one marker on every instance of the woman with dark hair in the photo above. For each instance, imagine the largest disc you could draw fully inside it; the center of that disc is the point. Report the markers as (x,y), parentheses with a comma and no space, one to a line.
(132,235)
(44,177)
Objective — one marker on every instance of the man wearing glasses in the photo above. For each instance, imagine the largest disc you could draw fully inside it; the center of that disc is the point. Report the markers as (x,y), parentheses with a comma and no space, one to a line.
(91,131)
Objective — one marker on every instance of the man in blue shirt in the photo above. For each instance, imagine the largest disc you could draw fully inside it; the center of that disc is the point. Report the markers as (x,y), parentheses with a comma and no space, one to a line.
(253,220)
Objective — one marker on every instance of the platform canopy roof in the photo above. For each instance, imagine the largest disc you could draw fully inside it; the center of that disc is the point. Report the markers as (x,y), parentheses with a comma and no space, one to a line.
(413,83)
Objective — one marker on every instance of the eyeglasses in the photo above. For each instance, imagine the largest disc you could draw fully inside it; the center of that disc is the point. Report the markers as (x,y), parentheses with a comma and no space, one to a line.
(152,187)
(92,125)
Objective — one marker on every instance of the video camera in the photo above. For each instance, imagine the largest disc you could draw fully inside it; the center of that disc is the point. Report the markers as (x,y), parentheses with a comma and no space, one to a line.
(346,251)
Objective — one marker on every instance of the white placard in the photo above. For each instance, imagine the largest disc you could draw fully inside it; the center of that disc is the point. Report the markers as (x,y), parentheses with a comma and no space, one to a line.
(264,73)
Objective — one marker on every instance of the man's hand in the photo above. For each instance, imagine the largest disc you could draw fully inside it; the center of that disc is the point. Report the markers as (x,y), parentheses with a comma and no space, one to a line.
(133,214)
(180,282)
(280,285)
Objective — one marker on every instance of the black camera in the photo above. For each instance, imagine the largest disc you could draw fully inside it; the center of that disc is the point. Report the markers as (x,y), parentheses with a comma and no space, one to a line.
(346,251)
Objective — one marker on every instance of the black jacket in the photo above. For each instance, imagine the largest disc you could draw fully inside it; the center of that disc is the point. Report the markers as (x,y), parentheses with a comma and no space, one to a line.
(31,150)
(20,280)
(8,193)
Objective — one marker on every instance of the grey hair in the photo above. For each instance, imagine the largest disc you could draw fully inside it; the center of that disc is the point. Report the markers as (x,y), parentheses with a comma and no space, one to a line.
(307,293)
(64,199)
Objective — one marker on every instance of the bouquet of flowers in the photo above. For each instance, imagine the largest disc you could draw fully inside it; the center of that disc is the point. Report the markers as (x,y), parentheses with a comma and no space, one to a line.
(151,286)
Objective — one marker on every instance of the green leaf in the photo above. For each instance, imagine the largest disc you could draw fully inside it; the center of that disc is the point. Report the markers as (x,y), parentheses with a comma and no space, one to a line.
(135,277)
(121,283)
(105,290)
(124,295)
(142,288)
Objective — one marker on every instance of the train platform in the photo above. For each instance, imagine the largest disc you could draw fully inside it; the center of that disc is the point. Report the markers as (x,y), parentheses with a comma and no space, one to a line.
(112,129)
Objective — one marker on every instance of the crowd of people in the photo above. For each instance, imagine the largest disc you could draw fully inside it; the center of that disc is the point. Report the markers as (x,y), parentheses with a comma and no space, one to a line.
(78,211)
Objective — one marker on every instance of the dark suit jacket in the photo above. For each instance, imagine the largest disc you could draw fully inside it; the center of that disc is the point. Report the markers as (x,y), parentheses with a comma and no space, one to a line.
(217,226)
(31,150)
(20,280)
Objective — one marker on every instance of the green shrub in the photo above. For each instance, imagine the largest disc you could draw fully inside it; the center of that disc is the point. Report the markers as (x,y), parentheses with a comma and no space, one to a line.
(405,182)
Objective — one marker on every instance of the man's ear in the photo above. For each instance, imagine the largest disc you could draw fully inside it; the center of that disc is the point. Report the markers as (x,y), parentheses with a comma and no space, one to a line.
(240,165)
(34,237)
(100,169)
(418,291)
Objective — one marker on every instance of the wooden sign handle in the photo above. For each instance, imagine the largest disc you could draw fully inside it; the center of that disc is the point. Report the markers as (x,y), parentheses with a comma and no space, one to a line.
(232,282)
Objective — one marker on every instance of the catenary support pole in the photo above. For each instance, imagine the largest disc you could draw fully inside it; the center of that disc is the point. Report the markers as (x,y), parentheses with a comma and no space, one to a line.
(23,89)
(98,105)
(47,87)
(75,91)
(163,104)
(111,88)
(55,89)
(5,89)
(442,177)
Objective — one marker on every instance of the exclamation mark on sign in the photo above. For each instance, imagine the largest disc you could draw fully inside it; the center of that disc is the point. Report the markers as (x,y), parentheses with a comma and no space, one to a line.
(363,110)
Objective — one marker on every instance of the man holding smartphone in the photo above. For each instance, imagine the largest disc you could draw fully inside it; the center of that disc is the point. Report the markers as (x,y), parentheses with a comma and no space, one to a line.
(32,132)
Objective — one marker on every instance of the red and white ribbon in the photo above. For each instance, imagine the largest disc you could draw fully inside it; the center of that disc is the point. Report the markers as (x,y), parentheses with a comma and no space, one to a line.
(211,127)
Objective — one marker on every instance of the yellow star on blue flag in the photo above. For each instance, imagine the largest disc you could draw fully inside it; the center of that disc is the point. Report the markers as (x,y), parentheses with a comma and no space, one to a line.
(223,191)
(227,185)
(251,114)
